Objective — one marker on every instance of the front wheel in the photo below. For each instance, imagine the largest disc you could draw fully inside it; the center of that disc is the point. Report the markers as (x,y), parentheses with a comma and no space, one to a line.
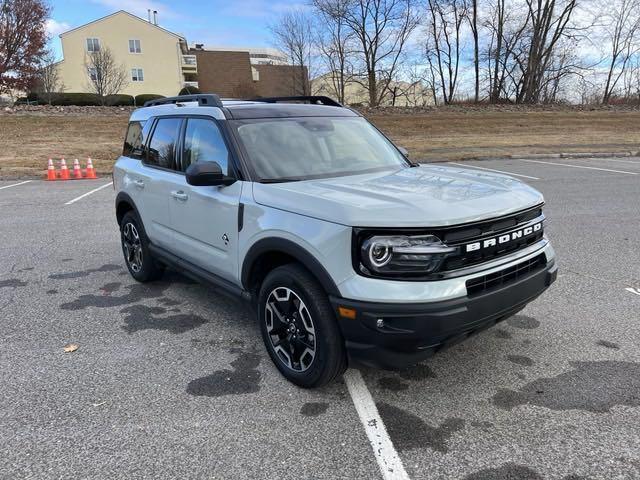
(299,327)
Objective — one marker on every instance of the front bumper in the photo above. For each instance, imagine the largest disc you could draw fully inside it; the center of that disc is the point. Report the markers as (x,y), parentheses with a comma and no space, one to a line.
(413,332)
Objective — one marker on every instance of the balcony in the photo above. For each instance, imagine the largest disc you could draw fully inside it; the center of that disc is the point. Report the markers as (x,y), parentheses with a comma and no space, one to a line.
(189,64)
(190,84)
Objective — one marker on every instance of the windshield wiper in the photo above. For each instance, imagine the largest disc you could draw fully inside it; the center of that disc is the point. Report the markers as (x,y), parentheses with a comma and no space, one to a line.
(280,180)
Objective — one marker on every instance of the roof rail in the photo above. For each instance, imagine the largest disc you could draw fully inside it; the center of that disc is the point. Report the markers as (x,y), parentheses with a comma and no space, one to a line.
(204,100)
(317,99)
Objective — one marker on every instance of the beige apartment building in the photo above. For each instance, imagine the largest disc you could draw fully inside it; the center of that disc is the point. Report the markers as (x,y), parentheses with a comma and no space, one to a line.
(156,60)
(400,93)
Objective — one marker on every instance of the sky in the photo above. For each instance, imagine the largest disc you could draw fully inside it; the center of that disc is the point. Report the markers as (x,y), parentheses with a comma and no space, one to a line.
(231,23)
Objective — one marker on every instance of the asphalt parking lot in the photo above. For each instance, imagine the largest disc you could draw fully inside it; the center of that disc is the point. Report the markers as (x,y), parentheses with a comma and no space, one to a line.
(171,380)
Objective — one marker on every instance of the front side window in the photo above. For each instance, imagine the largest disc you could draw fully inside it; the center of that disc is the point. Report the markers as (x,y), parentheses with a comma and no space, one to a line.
(137,75)
(134,46)
(93,45)
(162,147)
(203,142)
(316,147)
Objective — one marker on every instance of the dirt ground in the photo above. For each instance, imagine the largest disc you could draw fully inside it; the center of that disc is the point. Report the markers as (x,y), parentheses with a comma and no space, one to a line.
(29,140)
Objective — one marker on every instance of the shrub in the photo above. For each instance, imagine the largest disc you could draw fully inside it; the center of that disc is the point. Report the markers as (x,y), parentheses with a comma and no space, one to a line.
(119,100)
(145,97)
(67,99)
(189,91)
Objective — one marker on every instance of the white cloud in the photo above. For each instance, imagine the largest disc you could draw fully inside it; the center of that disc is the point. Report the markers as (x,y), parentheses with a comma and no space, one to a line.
(55,28)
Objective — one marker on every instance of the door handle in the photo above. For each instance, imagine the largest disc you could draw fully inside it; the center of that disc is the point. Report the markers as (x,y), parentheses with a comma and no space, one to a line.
(138,183)
(180,195)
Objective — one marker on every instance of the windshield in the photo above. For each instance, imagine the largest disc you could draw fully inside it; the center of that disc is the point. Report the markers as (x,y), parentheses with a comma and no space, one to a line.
(287,149)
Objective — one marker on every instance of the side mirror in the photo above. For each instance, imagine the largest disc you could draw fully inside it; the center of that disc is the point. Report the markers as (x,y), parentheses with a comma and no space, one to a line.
(207,174)
(404,151)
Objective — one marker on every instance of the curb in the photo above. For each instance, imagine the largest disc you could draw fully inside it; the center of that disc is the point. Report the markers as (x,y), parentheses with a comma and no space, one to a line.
(538,156)
(534,156)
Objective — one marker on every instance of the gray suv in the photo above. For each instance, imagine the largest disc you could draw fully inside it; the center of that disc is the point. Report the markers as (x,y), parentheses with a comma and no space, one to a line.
(347,250)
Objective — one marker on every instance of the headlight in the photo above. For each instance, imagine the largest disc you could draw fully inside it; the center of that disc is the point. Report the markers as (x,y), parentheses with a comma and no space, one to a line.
(403,255)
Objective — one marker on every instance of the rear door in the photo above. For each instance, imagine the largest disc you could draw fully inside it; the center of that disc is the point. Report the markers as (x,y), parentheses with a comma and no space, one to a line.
(156,179)
(205,219)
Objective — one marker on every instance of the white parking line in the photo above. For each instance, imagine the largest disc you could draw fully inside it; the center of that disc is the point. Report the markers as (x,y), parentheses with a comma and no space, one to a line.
(388,460)
(15,184)
(578,166)
(633,290)
(615,160)
(88,193)
(493,170)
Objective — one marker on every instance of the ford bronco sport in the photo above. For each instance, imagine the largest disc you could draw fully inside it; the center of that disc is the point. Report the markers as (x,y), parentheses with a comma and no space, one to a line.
(348,251)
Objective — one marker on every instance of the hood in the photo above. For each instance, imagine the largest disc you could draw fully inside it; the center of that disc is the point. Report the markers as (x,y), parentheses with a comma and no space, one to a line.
(425,196)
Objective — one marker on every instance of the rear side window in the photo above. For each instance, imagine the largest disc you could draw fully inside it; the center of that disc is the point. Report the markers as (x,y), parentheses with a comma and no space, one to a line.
(162,146)
(203,142)
(135,140)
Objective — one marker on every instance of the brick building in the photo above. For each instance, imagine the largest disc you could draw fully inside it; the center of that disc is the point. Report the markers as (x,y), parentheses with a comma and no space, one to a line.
(244,73)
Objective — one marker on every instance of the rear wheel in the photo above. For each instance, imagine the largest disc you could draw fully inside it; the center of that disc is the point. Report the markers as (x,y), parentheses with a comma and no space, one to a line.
(299,327)
(135,248)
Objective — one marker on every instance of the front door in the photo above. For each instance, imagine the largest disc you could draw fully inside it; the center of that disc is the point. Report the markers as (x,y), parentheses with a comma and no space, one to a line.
(205,219)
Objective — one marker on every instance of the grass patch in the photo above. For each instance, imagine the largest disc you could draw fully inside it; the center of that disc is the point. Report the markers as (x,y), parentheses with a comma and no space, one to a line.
(29,140)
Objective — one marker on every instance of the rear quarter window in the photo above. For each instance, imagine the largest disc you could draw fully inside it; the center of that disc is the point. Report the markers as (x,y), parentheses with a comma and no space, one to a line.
(135,139)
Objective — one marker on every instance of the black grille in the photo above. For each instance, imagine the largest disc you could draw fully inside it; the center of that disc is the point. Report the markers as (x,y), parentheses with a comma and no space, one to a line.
(495,280)
(456,235)
(463,260)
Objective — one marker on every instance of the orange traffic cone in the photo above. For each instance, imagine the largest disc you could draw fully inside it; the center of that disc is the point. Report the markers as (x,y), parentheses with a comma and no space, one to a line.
(77,173)
(51,171)
(64,171)
(91,173)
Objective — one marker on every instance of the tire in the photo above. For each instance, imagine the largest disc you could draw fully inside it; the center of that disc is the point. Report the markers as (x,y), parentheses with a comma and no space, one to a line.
(135,248)
(309,325)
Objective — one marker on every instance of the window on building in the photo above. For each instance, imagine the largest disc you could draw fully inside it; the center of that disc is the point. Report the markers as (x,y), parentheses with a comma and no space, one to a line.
(93,73)
(93,45)
(134,46)
(137,75)
(162,147)
(203,142)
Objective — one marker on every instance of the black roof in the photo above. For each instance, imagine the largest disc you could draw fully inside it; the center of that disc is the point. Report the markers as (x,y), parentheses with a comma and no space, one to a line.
(245,110)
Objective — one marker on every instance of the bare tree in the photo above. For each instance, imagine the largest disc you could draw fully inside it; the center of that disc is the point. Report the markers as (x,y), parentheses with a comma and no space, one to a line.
(49,80)
(381,29)
(22,42)
(549,22)
(622,32)
(472,17)
(334,42)
(506,27)
(444,42)
(106,77)
(293,35)
(631,81)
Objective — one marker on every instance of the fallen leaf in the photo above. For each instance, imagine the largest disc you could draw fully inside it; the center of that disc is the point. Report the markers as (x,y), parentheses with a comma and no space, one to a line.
(72,347)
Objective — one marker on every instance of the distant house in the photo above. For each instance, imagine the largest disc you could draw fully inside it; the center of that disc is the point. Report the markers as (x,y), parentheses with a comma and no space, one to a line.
(156,60)
(248,72)
(399,94)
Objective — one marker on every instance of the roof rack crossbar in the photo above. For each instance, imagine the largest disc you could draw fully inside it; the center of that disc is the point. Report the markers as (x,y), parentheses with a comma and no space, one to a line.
(204,100)
(317,99)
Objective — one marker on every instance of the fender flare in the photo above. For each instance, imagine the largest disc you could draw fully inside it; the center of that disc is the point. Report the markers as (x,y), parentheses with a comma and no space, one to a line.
(123,197)
(309,261)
